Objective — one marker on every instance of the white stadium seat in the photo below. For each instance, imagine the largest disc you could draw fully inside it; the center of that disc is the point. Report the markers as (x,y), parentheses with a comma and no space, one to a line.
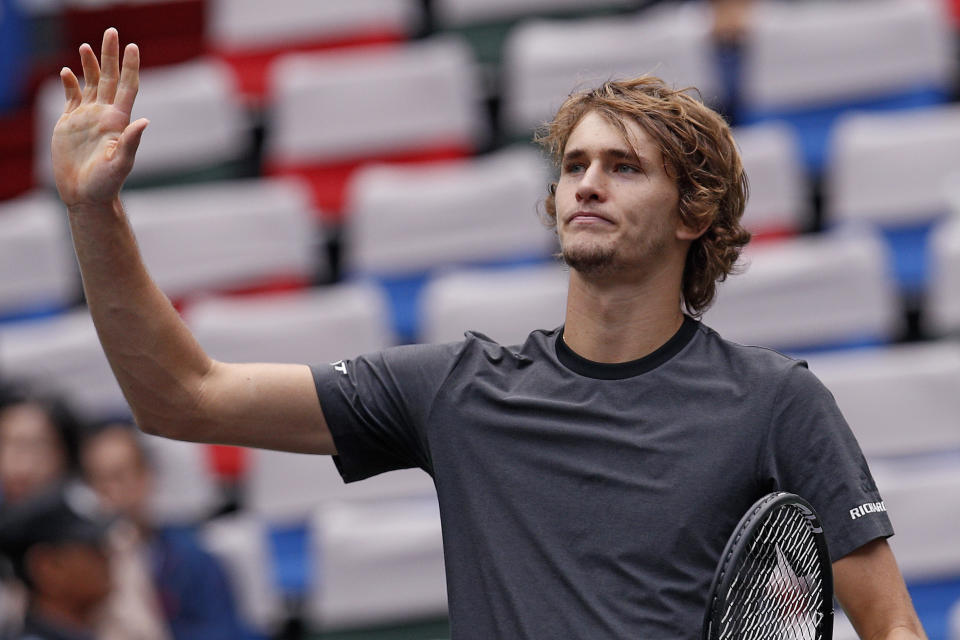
(546,60)
(922,496)
(778,201)
(244,25)
(376,563)
(37,267)
(809,292)
(801,54)
(240,542)
(184,489)
(455,13)
(943,303)
(224,235)
(504,304)
(345,104)
(891,168)
(318,326)
(63,355)
(196,120)
(899,400)
(407,219)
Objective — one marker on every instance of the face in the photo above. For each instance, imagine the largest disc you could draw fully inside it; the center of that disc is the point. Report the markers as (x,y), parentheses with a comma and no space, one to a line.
(75,574)
(617,207)
(116,472)
(31,453)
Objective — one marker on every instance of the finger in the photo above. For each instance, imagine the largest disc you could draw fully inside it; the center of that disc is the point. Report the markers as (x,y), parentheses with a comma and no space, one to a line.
(130,142)
(91,72)
(109,66)
(129,79)
(71,87)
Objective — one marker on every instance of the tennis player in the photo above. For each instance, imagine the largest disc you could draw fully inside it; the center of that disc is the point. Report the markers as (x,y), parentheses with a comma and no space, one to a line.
(588,478)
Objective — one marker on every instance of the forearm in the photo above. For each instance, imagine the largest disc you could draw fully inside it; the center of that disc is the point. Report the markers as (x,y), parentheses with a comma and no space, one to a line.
(159,365)
(871,590)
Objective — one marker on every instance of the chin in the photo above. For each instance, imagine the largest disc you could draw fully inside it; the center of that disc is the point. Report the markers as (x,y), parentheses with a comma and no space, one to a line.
(589,260)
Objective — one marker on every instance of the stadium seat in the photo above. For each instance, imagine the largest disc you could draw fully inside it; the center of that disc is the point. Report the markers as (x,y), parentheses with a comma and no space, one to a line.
(331,112)
(457,13)
(406,222)
(185,493)
(943,302)
(921,497)
(198,128)
(226,235)
(249,38)
(812,292)
(779,204)
(62,354)
(240,542)
(807,63)
(891,170)
(13,56)
(379,562)
(504,304)
(545,60)
(311,327)
(899,400)
(16,152)
(168,31)
(38,275)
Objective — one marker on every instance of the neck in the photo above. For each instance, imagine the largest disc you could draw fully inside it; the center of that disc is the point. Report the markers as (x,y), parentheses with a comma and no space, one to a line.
(616,321)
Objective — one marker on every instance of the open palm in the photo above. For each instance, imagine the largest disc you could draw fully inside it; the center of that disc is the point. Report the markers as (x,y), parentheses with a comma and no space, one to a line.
(94,142)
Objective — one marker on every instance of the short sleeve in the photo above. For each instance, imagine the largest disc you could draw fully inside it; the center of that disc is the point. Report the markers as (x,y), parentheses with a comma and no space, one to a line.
(376,406)
(812,452)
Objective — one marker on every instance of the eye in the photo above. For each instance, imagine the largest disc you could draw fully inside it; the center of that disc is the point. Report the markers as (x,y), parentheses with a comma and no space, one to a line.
(573,167)
(627,168)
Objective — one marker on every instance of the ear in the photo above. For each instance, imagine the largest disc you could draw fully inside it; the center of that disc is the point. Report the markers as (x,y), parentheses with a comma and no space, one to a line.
(686,231)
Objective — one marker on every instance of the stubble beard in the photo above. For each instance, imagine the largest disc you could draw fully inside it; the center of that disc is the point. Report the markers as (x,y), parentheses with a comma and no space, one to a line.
(595,260)
(591,261)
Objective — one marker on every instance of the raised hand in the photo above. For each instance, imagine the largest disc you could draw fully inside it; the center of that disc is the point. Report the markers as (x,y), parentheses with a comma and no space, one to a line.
(94,142)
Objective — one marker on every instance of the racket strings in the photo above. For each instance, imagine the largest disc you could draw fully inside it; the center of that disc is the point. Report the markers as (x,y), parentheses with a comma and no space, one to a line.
(777,591)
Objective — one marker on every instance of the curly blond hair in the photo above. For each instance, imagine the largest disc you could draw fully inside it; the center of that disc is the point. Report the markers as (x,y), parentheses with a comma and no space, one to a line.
(698,151)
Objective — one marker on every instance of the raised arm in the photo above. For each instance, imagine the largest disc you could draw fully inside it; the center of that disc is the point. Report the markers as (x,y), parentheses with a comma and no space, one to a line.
(173,387)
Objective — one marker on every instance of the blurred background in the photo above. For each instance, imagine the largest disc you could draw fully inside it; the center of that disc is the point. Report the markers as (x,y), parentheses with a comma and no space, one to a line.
(363,169)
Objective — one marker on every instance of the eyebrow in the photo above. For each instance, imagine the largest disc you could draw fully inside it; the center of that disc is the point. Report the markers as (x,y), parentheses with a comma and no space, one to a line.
(613,152)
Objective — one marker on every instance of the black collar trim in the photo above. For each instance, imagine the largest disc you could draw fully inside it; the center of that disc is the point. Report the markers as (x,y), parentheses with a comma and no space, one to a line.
(622,370)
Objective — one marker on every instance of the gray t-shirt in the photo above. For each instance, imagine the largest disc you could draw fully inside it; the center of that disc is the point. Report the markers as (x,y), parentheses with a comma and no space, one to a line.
(592,501)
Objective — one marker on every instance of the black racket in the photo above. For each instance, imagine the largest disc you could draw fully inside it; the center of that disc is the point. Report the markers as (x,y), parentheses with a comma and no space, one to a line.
(774,579)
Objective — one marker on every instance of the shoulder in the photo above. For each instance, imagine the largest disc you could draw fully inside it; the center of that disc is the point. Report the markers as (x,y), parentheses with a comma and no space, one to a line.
(748,362)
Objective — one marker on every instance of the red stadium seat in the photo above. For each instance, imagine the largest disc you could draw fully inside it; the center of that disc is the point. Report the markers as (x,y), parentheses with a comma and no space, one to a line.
(167,31)
(16,152)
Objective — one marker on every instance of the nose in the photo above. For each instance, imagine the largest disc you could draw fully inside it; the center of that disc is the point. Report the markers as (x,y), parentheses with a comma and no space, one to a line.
(592,185)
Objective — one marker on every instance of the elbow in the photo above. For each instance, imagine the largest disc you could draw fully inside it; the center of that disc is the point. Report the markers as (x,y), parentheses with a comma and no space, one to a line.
(174,425)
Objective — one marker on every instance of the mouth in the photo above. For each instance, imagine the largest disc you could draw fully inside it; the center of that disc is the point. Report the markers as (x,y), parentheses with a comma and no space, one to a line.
(588,217)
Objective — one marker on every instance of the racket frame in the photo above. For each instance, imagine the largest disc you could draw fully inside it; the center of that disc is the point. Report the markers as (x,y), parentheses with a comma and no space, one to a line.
(755,515)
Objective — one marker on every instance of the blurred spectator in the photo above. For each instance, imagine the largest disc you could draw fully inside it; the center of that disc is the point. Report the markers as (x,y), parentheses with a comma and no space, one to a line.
(56,543)
(194,595)
(38,444)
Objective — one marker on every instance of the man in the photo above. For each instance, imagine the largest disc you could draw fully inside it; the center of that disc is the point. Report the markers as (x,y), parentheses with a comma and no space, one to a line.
(56,542)
(588,478)
(187,585)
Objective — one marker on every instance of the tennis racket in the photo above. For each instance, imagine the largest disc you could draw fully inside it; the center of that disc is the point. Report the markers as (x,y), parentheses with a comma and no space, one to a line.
(774,579)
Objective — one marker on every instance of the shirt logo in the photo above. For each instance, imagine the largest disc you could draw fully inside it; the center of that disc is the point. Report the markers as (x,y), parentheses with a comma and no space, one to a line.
(340,366)
(866,509)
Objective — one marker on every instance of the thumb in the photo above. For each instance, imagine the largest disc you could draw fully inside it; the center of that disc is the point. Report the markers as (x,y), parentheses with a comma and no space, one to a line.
(130,141)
